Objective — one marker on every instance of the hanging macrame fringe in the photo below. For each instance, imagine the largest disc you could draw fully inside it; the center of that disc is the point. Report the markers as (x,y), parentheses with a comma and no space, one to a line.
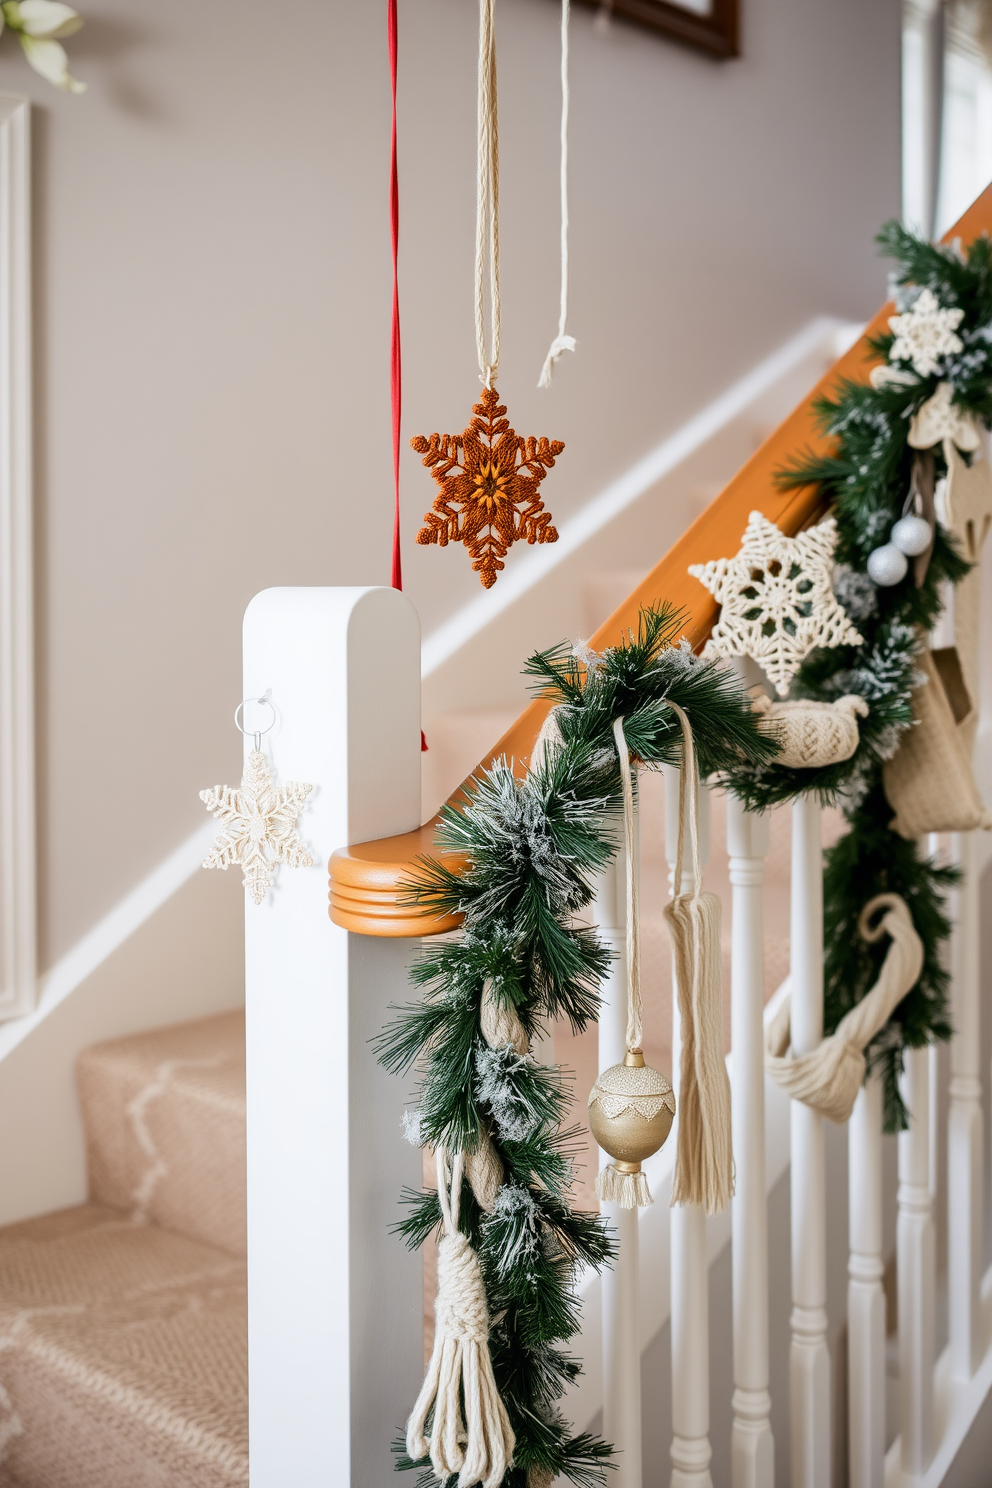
(630,1190)
(704,1161)
(830,1077)
(477,1444)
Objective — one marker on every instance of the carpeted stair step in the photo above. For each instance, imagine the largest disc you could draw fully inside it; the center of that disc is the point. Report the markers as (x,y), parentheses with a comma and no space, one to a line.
(123,1356)
(164,1117)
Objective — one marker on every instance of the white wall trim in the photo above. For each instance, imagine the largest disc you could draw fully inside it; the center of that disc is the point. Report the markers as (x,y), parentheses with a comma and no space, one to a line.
(111,932)
(597,514)
(18,889)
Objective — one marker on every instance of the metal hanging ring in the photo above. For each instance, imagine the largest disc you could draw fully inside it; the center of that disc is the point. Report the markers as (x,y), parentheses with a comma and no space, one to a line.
(239,715)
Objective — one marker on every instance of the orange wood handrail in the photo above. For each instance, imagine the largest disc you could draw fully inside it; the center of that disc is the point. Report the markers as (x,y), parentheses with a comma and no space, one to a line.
(366,879)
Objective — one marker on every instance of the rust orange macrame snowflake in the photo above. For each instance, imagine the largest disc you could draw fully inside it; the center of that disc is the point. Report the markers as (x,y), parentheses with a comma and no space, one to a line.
(489,477)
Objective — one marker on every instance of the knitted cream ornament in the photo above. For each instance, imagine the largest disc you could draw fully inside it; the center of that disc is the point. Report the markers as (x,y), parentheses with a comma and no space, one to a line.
(631,1105)
(811,735)
(830,1077)
(941,421)
(929,782)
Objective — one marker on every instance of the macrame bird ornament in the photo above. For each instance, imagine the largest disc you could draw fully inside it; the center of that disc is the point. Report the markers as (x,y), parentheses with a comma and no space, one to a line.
(631,1105)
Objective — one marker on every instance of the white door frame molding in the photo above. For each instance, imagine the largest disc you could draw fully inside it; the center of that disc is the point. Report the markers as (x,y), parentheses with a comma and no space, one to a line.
(18,892)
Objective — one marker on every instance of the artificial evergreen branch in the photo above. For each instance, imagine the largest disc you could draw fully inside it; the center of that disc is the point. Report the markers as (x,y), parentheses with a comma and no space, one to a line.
(519,858)
(864,478)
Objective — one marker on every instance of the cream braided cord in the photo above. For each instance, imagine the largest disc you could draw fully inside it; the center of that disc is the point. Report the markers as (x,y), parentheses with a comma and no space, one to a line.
(487,200)
(634,1005)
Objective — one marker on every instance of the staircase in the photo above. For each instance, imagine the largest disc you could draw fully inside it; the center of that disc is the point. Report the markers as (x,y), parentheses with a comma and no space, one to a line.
(123,1321)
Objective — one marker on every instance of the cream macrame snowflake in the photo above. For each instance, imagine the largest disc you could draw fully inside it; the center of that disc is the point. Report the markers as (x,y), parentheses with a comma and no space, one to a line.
(925,334)
(776,597)
(259,825)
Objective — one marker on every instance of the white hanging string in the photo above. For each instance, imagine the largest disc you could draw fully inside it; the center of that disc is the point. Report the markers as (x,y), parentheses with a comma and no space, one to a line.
(487,199)
(634,1009)
(562,342)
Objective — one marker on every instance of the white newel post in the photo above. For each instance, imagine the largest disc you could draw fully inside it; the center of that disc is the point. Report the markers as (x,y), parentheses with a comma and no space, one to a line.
(916,1263)
(621,1314)
(965,1144)
(865,1295)
(691,1451)
(809,1358)
(752,1446)
(334,1301)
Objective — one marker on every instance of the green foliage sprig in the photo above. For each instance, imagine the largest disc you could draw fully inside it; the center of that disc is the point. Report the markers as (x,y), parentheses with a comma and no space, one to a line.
(529,850)
(866,477)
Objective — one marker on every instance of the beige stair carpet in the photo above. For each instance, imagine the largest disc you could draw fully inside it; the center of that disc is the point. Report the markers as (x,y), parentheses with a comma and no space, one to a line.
(123,1323)
(164,1116)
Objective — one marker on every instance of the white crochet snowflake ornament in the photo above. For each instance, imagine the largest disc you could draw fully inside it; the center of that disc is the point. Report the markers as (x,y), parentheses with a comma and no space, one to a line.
(925,334)
(259,825)
(777,599)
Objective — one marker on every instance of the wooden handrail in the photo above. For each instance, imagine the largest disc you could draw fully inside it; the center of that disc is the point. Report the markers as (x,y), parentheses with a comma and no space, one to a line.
(366,879)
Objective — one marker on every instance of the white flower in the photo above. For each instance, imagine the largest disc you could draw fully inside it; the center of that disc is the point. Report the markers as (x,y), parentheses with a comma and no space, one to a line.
(44,18)
(37,24)
(925,334)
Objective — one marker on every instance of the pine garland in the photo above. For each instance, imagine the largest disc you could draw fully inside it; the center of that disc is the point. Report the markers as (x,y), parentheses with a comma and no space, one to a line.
(528,852)
(865,479)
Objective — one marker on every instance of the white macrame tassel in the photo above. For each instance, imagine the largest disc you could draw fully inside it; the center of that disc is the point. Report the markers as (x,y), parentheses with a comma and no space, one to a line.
(562,341)
(478,1445)
(829,1078)
(704,1161)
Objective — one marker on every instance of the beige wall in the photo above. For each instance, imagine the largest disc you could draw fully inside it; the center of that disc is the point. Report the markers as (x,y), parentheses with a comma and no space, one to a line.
(212,323)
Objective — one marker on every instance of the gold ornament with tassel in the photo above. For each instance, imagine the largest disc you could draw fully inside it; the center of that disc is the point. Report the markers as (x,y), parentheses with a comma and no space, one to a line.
(631,1105)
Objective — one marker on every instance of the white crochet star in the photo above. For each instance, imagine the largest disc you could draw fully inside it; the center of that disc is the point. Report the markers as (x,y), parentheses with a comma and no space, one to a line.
(925,334)
(259,825)
(777,599)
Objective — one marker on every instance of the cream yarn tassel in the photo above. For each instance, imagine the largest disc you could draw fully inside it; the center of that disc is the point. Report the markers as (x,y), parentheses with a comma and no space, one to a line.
(479,1445)
(704,1162)
(830,1077)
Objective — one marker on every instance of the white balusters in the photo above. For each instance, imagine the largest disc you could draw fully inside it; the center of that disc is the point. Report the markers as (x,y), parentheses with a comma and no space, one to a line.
(865,1296)
(965,1200)
(809,1359)
(916,1262)
(752,1448)
(621,1315)
(691,1450)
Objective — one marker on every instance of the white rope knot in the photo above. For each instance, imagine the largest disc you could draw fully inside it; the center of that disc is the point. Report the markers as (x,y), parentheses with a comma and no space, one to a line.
(559,345)
(829,1078)
(460,1311)
(475,1442)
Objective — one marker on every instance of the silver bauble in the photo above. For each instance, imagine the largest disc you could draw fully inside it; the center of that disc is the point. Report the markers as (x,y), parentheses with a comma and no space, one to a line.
(887,566)
(631,1107)
(911,535)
